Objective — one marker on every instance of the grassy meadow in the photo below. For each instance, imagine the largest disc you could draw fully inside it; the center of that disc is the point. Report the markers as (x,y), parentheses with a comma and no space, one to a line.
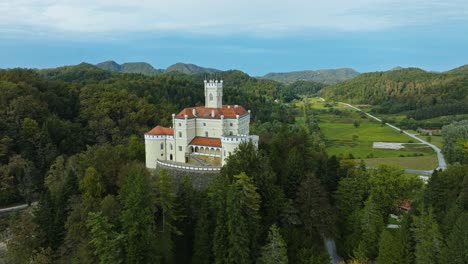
(346,140)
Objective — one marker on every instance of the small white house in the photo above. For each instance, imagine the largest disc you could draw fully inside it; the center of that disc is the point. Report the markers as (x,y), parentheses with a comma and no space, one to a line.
(214,130)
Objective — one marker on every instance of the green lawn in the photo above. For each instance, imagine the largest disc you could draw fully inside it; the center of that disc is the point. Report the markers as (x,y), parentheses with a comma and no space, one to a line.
(343,139)
(436,140)
(415,163)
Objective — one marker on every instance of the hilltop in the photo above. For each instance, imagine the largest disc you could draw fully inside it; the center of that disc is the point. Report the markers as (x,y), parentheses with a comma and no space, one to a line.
(425,94)
(326,76)
(148,69)
(189,68)
(130,67)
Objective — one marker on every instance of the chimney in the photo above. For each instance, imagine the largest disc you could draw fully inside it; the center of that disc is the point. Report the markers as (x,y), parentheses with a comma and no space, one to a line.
(236,106)
(194,112)
(229,106)
(212,113)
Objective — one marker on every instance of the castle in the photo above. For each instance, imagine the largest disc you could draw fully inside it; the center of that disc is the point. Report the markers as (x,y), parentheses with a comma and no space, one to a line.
(200,135)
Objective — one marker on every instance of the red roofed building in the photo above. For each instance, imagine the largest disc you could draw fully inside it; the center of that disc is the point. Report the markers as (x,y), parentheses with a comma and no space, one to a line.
(213,130)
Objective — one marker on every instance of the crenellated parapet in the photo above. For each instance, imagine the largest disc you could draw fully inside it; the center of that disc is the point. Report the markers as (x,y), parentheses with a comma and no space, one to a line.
(158,137)
(239,139)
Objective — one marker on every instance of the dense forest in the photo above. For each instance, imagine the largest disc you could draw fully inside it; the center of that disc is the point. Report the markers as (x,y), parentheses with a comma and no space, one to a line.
(71,139)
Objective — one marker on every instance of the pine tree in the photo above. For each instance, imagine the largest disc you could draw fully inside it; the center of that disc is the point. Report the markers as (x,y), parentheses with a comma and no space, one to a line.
(455,251)
(390,247)
(203,233)
(106,241)
(217,195)
(137,219)
(427,237)
(314,207)
(331,178)
(275,251)
(186,202)
(242,206)
(372,224)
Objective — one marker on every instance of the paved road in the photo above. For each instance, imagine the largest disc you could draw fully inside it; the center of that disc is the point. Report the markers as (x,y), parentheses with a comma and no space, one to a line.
(440,156)
(8,210)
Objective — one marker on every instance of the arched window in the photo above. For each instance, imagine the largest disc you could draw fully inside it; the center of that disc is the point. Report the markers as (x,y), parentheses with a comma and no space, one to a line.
(211,97)
(162,145)
(170,145)
(206,133)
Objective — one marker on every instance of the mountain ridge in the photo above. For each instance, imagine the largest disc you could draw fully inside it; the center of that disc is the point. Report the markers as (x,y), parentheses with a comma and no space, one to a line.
(326,76)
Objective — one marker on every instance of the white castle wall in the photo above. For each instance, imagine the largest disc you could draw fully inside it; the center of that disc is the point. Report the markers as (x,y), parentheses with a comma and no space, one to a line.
(229,144)
(156,148)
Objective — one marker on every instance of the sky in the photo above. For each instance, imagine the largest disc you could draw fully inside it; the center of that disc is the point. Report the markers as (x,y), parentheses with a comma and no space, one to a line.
(255,36)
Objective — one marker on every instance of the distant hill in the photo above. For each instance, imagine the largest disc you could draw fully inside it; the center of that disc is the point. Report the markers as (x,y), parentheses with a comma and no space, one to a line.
(330,76)
(427,94)
(188,68)
(130,67)
(460,70)
(397,68)
(82,73)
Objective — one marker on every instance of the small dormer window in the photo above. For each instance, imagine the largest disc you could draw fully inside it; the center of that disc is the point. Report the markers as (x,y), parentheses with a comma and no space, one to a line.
(211,97)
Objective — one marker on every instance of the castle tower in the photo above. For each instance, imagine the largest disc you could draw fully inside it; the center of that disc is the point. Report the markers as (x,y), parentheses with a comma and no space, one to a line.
(213,94)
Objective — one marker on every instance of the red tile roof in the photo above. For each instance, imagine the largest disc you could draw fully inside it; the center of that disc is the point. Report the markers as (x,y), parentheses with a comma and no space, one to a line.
(159,130)
(229,111)
(205,141)
(405,205)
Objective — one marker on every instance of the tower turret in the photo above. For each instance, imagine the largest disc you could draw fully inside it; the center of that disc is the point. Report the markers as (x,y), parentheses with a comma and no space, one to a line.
(213,93)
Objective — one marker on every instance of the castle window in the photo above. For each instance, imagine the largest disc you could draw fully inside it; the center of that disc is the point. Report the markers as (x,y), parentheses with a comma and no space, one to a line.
(180,148)
(180,124)
(211,97)
(206,133)
(204,124)
(230,133)
(180,134)
(230,124)
(171,146)
(162,145)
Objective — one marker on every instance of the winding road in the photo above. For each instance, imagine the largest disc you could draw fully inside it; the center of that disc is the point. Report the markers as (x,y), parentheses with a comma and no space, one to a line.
(440,156)
(5,211)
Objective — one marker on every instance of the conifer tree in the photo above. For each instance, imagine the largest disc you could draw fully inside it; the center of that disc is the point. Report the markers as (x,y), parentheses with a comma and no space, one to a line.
(314,207)
(165,200)
(372,224)
(203,232)
(106,241)
(242,206)
(455,250)
(275,251)
(137,219)
(390,247)
(427,237)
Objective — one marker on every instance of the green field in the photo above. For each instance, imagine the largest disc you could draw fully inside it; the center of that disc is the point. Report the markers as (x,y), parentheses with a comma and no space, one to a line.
(436,140)
(345,140)
(415,163)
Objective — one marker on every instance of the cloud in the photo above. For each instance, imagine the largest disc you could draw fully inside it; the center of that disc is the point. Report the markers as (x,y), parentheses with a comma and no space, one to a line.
(258,17)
